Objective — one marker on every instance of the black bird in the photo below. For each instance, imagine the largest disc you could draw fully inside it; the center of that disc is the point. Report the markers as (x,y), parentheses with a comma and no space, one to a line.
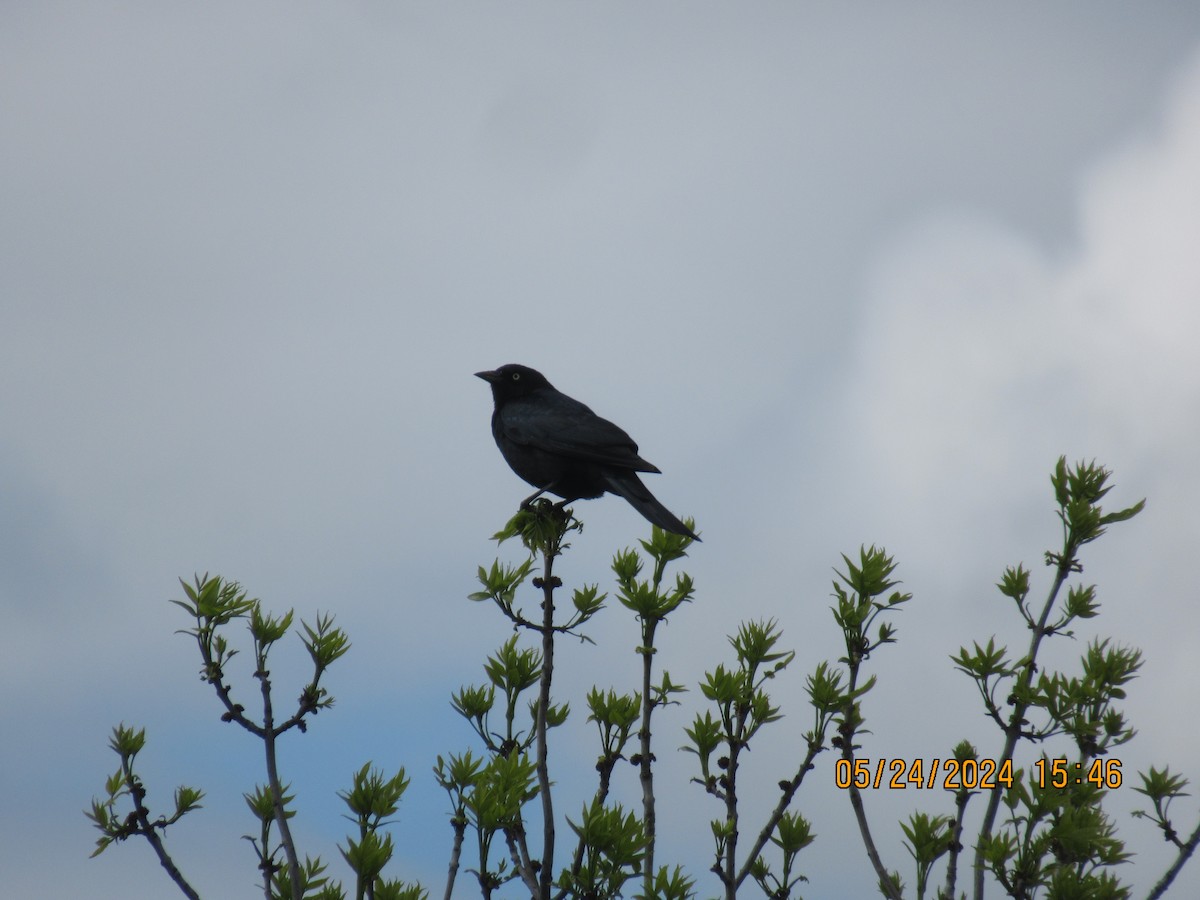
(559,445)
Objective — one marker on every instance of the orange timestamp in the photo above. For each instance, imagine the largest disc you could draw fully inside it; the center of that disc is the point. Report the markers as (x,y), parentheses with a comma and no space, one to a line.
(899,774)
(1058,773)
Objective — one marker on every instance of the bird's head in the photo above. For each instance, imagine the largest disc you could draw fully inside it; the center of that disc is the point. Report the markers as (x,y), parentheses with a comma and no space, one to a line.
(512,381)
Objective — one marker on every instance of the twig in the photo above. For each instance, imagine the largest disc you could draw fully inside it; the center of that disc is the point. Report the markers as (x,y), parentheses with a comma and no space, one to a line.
(146,828)
(281,818)
(785,800)
(1012,731)
(1185,854)
(543,770)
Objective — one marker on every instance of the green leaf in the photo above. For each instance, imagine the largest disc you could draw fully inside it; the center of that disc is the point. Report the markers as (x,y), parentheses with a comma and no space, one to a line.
(187,799)
(369,855)
(325,644)
(793,833)
(1015,583)
(126,742)
(373,796)
(1162,785)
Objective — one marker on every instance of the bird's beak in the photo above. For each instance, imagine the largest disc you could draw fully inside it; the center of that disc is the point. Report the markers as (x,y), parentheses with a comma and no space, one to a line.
(491,377)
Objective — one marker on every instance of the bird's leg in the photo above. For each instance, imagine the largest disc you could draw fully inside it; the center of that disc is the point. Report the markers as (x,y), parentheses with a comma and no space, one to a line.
(528,500)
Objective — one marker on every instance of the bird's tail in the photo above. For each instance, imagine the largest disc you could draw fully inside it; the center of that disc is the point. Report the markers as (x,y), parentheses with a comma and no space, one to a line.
(629,486)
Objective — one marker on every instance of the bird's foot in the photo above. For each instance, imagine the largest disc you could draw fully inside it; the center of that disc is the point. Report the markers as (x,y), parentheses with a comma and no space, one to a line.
(528,501)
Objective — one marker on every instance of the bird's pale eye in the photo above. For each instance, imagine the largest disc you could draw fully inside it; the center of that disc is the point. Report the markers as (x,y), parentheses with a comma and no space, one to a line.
(516,376)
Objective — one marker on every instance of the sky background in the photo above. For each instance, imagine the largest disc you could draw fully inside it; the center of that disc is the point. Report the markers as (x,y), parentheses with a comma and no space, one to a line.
(849,273)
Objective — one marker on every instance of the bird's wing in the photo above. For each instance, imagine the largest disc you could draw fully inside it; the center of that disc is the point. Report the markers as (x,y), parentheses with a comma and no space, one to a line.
(562,425)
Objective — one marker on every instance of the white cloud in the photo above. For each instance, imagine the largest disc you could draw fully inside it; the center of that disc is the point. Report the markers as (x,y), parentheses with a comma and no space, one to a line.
(1136,281)
(982,355)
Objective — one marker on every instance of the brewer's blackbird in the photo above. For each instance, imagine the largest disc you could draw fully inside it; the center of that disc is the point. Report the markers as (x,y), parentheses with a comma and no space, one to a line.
(559,445)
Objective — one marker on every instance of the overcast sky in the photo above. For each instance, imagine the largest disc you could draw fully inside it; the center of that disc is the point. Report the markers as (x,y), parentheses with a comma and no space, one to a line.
(848,273)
